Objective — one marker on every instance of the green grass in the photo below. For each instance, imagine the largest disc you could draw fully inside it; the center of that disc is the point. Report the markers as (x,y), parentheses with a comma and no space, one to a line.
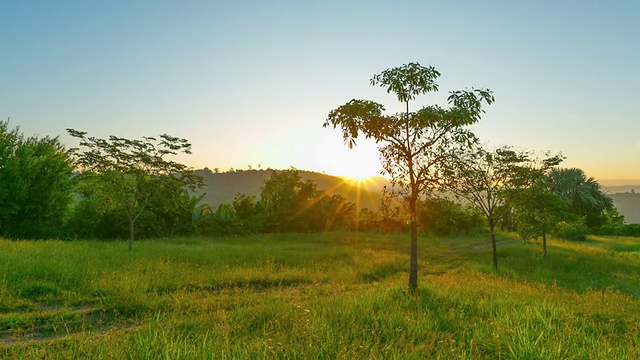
(319,296)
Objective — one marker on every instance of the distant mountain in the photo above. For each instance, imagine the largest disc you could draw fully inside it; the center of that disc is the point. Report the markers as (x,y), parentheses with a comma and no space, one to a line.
(626,197)
(621,188)
(628,204)
(619,183)
(223,187)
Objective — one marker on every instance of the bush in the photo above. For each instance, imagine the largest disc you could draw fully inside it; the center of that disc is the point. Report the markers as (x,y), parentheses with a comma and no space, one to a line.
(574,230)
(445,217)
(631,230)
(619,230)
(374,221)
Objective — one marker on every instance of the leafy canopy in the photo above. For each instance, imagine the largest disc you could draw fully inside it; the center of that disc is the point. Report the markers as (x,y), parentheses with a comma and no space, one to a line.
(35,185)
(416,140)
(584,193)
(408,81)
(490,180)
(415,147)
(133,173)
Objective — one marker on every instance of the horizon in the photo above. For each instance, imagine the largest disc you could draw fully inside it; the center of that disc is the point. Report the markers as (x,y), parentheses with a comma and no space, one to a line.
(357,176)
(602,182)
(253,83)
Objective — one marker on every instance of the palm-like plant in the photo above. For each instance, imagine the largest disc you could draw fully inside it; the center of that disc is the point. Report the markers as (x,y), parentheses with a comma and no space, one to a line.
(584,193)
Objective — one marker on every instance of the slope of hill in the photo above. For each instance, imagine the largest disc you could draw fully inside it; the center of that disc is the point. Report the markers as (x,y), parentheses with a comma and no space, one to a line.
(614,185)
(626,198)
(621,188)
(222,187)
(628,204)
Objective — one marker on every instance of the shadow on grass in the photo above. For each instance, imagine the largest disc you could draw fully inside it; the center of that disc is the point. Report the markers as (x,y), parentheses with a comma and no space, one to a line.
(579,266)
(49,323)
(381,271)
(251,284)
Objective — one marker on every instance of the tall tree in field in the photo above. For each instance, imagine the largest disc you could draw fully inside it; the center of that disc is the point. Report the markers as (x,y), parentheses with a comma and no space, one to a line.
(414,145)
(132,173)
(539,212)
(488,180)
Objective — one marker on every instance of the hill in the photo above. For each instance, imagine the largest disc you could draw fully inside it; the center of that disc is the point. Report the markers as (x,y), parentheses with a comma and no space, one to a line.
(626,198)
(614,185)
(628,204)
(223,187)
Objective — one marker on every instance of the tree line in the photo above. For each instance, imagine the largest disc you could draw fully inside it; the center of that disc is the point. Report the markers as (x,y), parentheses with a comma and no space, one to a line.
(120,188)
(443,181)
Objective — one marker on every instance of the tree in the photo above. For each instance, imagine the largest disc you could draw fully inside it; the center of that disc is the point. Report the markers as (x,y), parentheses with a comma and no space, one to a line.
(174,212)
(414,146)
(247,213)
(288,202)
(132,173)
(489,180)
(35,184)
(584,194)
(540,211)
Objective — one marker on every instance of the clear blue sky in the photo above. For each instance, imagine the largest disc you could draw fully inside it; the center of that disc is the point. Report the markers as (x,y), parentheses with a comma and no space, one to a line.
(251,82)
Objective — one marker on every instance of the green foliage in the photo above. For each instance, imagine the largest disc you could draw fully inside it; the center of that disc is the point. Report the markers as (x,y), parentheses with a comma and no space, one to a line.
(224,221)
(414,146)
(96,216)
(341,213)
(408,81)
(491,180)
(444,217)
(629,230)
(539,213)
(134,174)
(35,185)
(615,225)
(585,195)
(380,221)
(571,230)
(242,216)
(286,201)
(248,215)
(289,203)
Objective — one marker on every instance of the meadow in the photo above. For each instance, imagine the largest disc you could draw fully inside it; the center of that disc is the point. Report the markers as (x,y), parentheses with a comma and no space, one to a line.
(319,296)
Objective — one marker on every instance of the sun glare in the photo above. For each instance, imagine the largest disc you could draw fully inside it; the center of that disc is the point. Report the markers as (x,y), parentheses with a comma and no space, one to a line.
(358,176)
(357,182)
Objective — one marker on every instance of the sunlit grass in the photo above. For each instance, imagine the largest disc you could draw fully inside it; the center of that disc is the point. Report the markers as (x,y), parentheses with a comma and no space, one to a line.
(319,296)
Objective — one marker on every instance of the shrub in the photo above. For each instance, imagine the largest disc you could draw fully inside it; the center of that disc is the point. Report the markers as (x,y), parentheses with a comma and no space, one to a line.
(574,230)
(445,217)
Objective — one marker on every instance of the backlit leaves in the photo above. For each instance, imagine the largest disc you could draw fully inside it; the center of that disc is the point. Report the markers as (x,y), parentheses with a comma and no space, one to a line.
(408,81)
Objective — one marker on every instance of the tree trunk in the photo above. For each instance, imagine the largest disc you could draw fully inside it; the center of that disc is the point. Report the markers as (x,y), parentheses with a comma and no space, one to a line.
(493,244)
(131,231)
(413,272)
(544,245)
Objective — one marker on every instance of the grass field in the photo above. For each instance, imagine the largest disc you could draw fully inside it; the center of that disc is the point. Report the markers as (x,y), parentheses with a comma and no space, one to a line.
(319,296)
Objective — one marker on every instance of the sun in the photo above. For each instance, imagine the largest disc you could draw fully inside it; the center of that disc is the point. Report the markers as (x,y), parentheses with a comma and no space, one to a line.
(363,181)
(358,175)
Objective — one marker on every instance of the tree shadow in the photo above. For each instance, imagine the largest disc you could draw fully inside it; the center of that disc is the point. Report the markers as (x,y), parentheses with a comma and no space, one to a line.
(579,266)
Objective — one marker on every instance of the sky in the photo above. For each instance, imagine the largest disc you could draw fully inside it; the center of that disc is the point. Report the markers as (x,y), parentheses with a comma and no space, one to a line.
(250,83)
